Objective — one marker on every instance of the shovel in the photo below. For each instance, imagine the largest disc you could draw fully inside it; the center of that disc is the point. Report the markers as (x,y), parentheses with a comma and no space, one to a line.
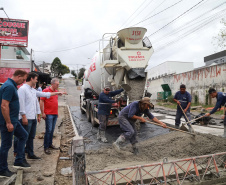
(183,127)
(171,128)
(195,119)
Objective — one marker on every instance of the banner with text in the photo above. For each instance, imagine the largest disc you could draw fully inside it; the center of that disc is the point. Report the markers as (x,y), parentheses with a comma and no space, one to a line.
(14,32)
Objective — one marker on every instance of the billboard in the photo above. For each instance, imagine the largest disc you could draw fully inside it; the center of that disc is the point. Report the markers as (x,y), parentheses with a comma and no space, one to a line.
(14,32)
(6,73)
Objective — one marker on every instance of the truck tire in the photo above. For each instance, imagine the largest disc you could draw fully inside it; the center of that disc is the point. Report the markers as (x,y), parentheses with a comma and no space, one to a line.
(88,112)
(94,123)
(82,111)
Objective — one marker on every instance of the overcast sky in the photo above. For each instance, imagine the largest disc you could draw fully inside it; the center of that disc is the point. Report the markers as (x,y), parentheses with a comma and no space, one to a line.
(182,32)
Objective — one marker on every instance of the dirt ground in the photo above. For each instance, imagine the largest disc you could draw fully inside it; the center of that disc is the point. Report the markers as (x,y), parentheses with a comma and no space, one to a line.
(174,145)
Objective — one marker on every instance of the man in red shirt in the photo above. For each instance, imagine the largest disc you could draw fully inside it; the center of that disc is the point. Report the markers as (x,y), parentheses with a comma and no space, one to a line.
(49,109)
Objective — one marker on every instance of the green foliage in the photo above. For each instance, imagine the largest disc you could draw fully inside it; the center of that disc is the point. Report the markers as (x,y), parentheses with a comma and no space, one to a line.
(220,39)
(196,99)
(73,73)
(58,68)
(207,99)
(170,99)
(64,69)
(81,72)
(55,66)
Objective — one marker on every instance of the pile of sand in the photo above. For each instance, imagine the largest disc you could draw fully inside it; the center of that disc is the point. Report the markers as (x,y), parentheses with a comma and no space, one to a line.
(174,145)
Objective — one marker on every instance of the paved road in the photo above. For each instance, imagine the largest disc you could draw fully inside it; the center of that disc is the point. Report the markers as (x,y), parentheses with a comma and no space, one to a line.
(86,130)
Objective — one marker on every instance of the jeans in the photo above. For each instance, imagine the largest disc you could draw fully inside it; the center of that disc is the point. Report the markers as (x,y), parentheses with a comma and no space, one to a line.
(180,114)
(6,143)
(128,128)
(31,130)
(50,126)
(103,119)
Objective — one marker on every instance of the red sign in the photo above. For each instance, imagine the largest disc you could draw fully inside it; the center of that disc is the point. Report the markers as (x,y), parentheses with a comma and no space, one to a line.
(138,57)
(6,73)
(14,32)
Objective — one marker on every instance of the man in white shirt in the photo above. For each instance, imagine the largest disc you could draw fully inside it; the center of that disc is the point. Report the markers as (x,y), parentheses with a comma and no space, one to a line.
(29,109)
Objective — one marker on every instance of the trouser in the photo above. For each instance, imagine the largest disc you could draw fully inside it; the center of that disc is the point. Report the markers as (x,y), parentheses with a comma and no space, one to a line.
(179,114)
(128,128)
(31,130)
(50,126)
(6,143)
(103,120)
(225,119)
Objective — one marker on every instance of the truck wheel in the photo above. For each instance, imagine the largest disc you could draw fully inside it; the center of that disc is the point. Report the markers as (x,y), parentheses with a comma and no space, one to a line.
(82,111)
(88,107)
(94,123)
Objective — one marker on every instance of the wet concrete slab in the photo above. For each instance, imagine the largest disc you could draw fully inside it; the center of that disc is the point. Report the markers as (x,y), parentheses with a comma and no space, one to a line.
(86,130)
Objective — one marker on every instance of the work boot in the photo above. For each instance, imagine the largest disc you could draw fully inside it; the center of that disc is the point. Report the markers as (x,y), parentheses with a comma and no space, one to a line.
(102,136)
(98,134)
(135,149)
(121,139)
(177,126)
(190,129)
(224,135)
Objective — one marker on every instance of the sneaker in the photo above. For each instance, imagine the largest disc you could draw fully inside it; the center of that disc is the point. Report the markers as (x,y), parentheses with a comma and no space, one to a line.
(53,147)
(46,150)
(6,174)
(33,157)
(23,165)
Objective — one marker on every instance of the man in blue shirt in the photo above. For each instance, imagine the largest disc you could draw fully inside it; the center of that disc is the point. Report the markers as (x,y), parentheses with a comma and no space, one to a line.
(104,108)
(183,99)
(9,124)
(127,118)
(221,100)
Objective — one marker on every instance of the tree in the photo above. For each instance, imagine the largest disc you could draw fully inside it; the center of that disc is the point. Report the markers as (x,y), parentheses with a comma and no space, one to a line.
(220,39)
(58,68)
(81,72)
(64,69)
(55,66)
(74,73)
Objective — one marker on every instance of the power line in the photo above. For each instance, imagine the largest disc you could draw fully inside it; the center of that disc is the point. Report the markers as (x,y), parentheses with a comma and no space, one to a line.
(158,12)
(195,29)
(155,8)
(176,18)
(133,13)
(69,48)
(142,10)
(188,24)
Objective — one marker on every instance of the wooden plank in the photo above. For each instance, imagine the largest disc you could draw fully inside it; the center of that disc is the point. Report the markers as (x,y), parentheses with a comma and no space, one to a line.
(19,178)
(10,180)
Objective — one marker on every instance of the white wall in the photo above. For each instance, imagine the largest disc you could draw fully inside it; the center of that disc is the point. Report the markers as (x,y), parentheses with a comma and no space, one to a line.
(169,67)
(197,82)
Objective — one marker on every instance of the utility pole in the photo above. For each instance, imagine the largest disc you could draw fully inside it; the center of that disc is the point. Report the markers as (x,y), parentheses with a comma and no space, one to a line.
(31,61)
(43,66)
(77,71)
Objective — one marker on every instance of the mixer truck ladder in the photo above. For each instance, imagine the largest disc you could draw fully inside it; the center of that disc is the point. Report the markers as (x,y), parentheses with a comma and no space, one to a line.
(105,55)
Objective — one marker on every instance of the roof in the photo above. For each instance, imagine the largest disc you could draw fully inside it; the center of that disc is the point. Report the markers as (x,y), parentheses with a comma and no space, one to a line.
(215,56)
(24,49)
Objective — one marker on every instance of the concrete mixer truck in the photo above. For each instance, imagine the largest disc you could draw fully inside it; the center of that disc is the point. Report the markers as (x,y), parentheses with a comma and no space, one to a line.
(120,62)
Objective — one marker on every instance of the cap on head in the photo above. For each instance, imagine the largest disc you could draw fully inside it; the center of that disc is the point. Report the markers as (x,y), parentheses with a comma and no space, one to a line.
(146,100)
(211,90)
(107,88)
